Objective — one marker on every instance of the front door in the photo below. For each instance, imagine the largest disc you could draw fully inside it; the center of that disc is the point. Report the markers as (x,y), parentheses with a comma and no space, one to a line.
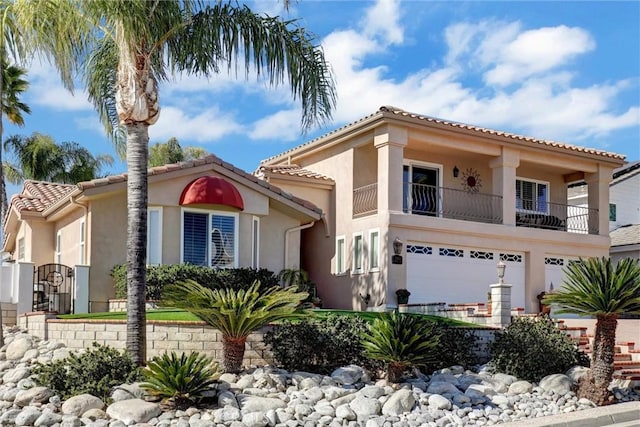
(421,193)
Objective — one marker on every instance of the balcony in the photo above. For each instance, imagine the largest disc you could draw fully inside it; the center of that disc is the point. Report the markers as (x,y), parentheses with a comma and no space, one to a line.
(428,200)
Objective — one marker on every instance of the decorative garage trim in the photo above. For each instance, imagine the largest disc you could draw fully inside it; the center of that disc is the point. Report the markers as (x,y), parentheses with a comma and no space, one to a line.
(510,257)
(554,261)
(481,255)
(418,249)
(458,253)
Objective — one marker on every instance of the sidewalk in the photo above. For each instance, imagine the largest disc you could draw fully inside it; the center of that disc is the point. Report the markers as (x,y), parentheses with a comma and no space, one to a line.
(621,414)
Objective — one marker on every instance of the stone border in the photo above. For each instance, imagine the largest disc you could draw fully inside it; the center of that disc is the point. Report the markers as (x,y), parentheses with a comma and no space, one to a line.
(596,417)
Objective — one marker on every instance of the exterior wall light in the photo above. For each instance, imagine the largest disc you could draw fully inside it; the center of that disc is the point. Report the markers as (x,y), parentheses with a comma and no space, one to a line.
(397,246)
(456,171)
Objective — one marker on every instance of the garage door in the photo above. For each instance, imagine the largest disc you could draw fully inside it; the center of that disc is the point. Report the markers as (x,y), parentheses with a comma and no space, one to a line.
(460,275)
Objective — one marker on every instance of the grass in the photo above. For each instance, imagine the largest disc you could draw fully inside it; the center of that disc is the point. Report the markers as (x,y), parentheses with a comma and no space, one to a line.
(174,314)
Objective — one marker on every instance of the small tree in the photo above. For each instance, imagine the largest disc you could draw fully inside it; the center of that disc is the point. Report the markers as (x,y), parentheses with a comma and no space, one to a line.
(594,287)
(235,313)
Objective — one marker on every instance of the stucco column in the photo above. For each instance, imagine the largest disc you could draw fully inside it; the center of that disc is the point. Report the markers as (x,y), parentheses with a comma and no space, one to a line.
(81,289)
(504,182)
(534,279)
(23,286)
(500,305)
(390,142)
(598,198)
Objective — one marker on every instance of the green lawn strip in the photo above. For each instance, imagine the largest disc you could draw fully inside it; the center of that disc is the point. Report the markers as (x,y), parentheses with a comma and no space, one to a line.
(174,314)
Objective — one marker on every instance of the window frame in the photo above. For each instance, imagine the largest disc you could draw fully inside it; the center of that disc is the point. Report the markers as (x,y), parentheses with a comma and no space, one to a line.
(255,242)
(58,248)
(22,249)
(341,255)
(357,254)
(159,236)
(374,250)
(209,213)
(83,242)
(613,209)
(536,182)
(407,200)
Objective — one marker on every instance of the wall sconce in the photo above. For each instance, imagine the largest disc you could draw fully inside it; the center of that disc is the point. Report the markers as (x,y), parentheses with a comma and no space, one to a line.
(500,267)
(397,246)
(456,171)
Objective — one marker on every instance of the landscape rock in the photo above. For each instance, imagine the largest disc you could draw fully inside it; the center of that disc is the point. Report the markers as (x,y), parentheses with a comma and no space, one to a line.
(18,347)
(78,405)
(348,375)
(557,383)
(32,395)
(399,402)
(520,387)
(133,411)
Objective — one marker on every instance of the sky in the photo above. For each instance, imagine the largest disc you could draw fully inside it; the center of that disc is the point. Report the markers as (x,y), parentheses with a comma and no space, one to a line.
(567,71)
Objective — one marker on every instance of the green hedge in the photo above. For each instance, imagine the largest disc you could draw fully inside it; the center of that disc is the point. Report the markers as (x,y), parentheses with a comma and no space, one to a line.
(158,276)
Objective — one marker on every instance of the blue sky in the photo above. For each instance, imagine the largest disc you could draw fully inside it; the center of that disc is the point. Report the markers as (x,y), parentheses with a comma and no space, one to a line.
(567,71)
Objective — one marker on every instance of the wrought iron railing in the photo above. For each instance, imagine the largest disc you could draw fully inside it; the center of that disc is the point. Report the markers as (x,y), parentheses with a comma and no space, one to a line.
(445,202)
(556,216)
(365,200)
(421,199)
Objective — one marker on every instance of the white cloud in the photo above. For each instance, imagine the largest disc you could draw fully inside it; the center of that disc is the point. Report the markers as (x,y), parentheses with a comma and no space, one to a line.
(282,125)
(383,19)
(208,125)
(45,89)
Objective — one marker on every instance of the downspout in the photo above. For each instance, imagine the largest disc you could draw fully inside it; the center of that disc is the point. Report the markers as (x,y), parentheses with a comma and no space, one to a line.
(286,239)
(85,208)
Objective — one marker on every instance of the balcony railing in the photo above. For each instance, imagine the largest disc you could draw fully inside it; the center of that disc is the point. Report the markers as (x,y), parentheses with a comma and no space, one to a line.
(429,200)
(365,200)
(556,216)
(444,202)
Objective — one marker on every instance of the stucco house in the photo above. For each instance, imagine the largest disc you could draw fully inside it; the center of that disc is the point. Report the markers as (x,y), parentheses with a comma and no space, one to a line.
(455,199)
(204,212)
(624,209)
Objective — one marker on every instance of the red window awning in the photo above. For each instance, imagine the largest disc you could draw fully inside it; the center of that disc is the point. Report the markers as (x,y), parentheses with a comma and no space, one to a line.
(211,190)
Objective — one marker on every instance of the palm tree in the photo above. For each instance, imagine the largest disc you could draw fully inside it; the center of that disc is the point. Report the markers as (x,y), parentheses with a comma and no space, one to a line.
(235,313)
(128,46)
(171,152)
(38,157)
(13,85)
(595,287)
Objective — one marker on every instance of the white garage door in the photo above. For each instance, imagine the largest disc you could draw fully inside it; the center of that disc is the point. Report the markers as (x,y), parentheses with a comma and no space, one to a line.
(460,275)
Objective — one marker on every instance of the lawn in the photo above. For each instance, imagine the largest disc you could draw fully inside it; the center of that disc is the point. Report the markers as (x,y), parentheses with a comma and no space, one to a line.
(174,314)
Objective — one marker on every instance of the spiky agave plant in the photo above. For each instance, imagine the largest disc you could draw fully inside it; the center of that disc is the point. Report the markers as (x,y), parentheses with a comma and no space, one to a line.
(235,313)
(402,341)
(180,380)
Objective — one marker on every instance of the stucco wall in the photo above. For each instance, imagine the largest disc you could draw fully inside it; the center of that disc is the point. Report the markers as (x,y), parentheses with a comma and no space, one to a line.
(626,196)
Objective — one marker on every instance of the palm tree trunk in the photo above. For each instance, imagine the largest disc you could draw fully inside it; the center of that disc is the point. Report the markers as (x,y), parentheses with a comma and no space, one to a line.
(137,153)
(595,386)
(395,371)
(233,353)
(4,205)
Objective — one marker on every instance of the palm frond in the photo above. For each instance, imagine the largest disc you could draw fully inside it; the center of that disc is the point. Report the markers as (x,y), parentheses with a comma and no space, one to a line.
(594,286)
(236,313)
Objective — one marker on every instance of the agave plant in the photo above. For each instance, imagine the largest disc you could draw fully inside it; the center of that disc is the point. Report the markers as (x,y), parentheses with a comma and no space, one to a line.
(235,313)
(401,341)
(180,380)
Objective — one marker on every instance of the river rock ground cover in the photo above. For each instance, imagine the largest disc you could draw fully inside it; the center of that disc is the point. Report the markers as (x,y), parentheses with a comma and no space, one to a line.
(268,396)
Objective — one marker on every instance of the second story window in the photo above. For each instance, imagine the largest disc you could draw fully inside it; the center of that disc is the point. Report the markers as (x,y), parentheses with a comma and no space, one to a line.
(340,255)
(532,196)
(357,252)
(58,253)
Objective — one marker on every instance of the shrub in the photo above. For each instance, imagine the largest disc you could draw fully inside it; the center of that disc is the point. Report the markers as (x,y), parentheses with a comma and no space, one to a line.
(95,371)
(180,380)
(531,349)
(318,345)
(158,276)
(456,346)
(401,341)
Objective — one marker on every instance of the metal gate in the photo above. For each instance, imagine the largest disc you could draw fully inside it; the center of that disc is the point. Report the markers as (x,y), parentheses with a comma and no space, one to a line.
(52,288)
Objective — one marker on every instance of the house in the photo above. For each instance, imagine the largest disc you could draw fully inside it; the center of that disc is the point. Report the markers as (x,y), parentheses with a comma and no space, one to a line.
(430,205)
(204,212)
(624,209)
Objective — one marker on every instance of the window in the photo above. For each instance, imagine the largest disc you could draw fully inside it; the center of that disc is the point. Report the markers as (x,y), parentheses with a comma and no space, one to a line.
(209,239)
(340,255)
(357,252)
(255,240)
(81,246)
(420,191)
(374,250)
(58,253)
(612,212)
(21,249)
(532,196)
(154,236)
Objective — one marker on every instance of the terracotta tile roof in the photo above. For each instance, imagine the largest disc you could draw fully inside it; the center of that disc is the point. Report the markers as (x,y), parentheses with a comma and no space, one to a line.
(207,160)
(387,110)
(36,196)
(291,170)
(625,235)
